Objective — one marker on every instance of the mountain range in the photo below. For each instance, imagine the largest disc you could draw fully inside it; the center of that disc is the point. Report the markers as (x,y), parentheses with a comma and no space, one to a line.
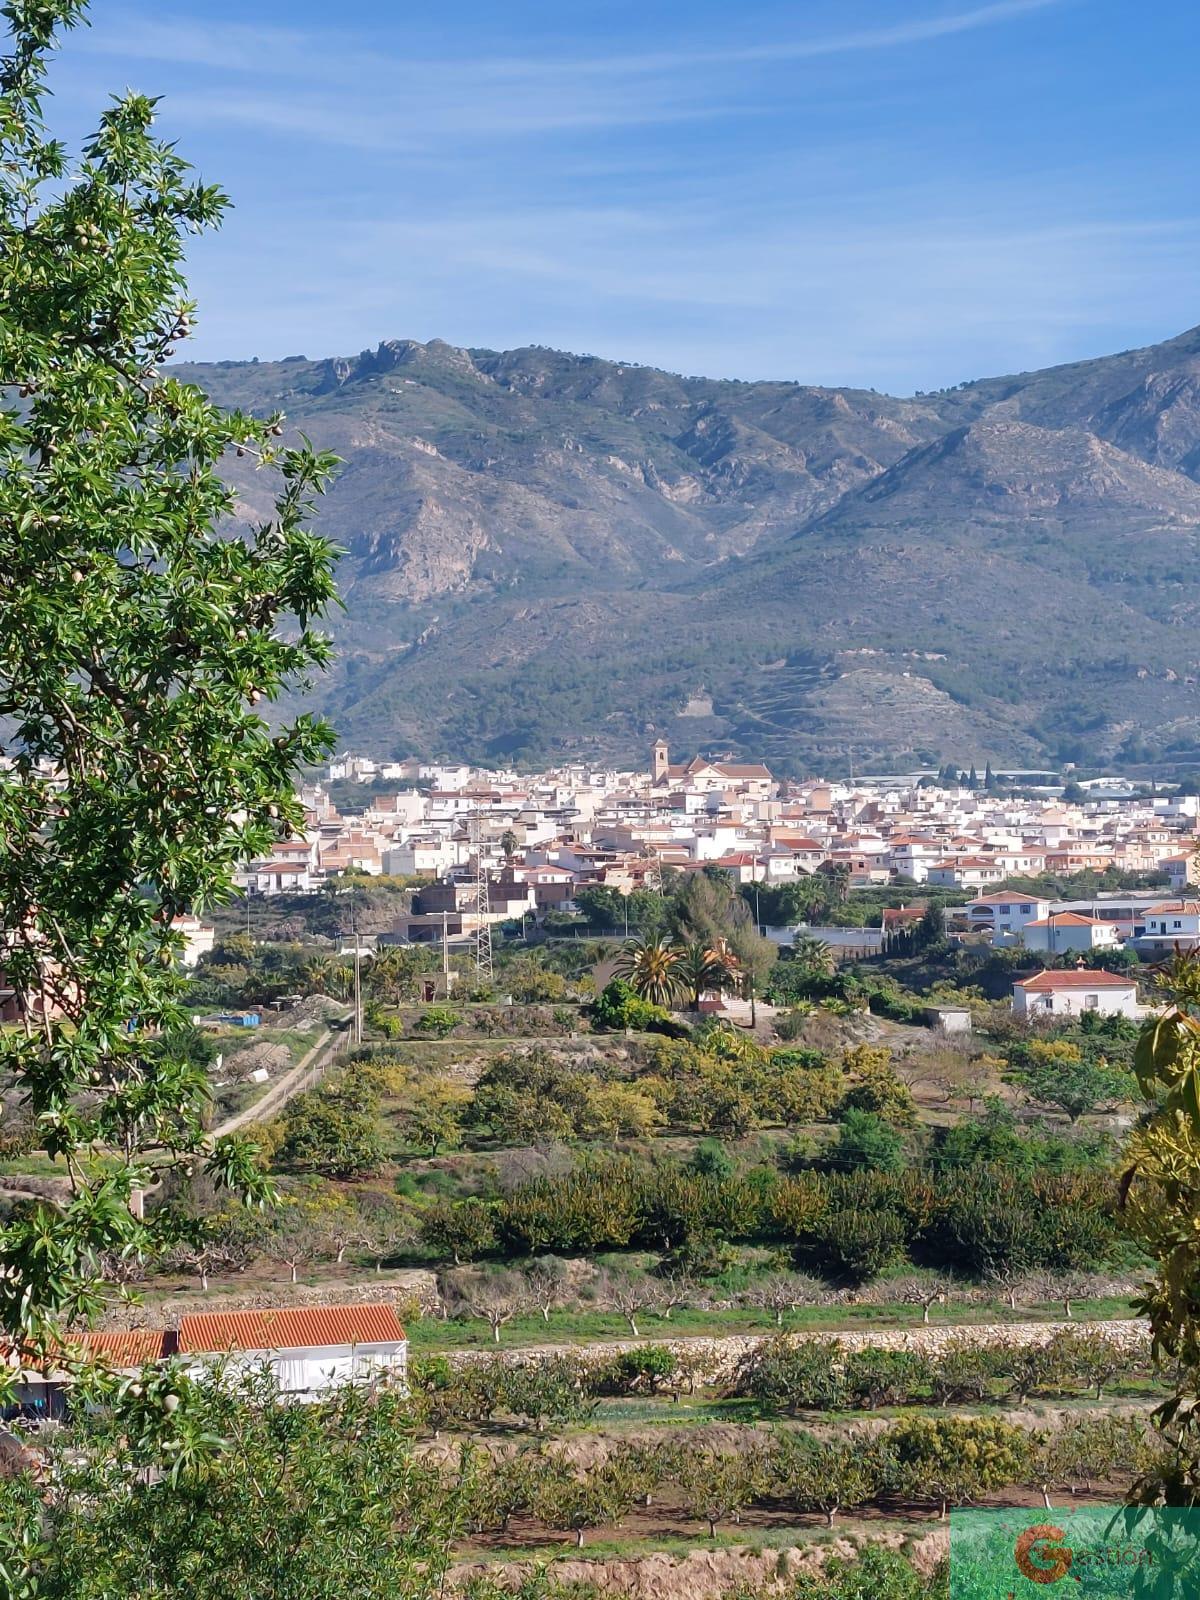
(549,555)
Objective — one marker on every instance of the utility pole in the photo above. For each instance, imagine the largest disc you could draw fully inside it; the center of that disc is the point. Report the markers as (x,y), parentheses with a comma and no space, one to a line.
(357,1031)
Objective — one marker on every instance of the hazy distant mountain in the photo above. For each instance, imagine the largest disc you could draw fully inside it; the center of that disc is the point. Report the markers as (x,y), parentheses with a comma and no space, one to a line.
(550,553)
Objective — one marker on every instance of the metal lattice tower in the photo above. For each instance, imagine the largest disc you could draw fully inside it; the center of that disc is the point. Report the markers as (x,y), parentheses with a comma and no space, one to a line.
(479,902)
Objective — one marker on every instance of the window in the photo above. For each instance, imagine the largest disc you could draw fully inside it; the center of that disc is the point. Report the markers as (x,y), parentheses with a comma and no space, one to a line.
(1091,1002)
(1177,924)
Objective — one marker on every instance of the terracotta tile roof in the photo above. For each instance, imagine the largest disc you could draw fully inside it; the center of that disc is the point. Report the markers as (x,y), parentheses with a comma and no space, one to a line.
(289,1328)
(133,1347)
(1077,980)
(1188,908)
(1066,919)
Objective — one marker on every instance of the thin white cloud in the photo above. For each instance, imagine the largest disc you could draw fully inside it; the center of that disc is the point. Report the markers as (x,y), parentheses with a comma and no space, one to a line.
(269,51)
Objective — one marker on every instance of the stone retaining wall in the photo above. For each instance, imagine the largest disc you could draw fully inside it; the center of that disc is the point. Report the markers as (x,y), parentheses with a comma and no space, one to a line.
(704,1574)
(717,1359)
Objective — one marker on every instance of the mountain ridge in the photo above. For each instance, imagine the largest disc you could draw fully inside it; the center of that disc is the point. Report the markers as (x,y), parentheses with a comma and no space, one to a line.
(551,555)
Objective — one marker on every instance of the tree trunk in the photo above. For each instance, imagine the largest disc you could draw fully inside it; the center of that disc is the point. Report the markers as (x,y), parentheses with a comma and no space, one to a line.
(496,1332)
(925,1311)
(204,1279)
(1067,1307)
(712,1527)
(295,1273)
(633,1327)
(779,1316)
(341,1254)
(829,1516)
(942,1512)
(1046,1498)
(579,1538)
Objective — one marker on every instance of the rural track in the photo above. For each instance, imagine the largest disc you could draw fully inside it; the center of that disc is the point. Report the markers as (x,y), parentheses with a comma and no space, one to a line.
(303,1075)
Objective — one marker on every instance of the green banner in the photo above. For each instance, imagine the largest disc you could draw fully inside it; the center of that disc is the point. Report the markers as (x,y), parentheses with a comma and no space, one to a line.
(1086,1552)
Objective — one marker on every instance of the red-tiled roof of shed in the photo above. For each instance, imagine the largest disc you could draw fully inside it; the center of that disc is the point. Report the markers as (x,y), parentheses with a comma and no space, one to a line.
(289,1328)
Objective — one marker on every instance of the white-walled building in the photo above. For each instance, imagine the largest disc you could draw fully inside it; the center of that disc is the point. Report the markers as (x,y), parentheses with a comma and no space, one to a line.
(198,939)
(1005,913)
(1064,994)
(1066,932)
(308,1349)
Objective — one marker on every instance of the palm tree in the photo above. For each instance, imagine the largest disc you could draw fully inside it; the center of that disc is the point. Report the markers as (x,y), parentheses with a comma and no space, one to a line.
(324,975)
(697,972)
(651,967)
(814,955)
(704,967)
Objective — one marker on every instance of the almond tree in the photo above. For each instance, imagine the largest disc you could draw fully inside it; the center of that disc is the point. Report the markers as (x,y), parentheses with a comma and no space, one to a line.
(547,1281)
(496,1297)
(139,645)
(629,1293)
(785,1291)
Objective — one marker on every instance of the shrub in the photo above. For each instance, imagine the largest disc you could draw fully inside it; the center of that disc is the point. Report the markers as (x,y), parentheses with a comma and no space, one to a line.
(438,1021)
(865,1139)
(885,1377)
(642,1371)
(794,1375)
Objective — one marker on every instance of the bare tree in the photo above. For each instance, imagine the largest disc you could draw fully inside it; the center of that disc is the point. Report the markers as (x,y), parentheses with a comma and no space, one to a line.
(1068,1286)
(673,1289)
(629,1293)
(496,1297)
(783,1292)
(925,1291)
(547,1280)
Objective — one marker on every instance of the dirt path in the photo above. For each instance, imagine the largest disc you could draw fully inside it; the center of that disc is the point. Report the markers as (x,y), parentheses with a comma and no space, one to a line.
(302,1076)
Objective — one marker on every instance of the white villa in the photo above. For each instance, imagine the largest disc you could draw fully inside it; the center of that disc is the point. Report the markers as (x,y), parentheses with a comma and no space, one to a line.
(1065,932)
(1072,993)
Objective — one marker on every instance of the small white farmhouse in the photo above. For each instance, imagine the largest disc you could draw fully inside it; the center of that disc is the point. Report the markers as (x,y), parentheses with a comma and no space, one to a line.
(309,1349)
(1071,993)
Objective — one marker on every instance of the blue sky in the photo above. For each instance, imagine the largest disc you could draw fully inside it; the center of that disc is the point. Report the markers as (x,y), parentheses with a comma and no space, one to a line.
(899,195)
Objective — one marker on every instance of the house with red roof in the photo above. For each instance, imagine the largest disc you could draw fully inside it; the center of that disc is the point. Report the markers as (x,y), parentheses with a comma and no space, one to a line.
(1005,912)
(1067,932)
(307,1350)
(1066,994)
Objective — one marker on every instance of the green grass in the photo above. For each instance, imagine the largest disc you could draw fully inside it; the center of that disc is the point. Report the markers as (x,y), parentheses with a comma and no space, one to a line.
(595,1327)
